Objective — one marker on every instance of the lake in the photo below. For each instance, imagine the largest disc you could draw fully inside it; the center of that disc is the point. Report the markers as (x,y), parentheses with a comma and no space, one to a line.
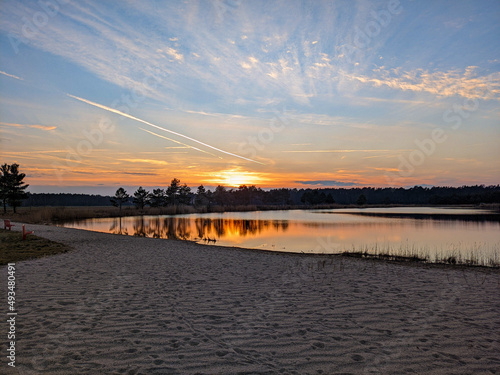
(432,233)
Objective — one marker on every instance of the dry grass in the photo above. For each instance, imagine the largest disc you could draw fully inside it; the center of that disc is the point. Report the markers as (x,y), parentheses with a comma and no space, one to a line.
(50,214)
(406,253)
(14,249)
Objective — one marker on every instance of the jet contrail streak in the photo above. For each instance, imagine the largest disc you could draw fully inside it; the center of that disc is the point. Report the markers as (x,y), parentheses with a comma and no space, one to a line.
(159,127)
(180,143)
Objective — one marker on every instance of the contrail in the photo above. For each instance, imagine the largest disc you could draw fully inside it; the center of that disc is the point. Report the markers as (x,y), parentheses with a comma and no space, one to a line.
(180,143)
(159,127)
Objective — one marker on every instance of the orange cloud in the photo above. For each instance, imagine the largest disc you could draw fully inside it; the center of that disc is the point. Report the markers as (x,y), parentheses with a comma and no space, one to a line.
(13,125)
(41,127)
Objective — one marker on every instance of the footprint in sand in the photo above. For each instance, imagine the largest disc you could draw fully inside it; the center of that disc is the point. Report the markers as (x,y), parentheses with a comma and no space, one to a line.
(357,357)
(221,353)
(318,345)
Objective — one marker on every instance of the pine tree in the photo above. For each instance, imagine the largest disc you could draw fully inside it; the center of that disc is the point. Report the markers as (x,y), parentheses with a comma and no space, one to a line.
(12,187)
(120,197)
(220,195)
(173,190)
(141,198)
(201,196)
(184,194)
(157,198)
(4,185)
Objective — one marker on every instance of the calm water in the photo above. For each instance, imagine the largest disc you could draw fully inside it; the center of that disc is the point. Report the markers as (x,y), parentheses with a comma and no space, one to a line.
(435,233)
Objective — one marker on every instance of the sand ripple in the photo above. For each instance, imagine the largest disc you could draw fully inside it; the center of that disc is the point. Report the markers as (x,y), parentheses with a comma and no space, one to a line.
(123,305)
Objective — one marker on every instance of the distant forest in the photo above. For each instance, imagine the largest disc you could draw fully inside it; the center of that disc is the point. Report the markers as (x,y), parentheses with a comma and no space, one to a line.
(251,195)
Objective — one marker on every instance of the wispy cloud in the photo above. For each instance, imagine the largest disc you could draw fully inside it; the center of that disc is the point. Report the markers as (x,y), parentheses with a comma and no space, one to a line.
(222,80)
(145,161)
(467,84)
(328,183)
(41,127)
(140,173)
(12,125)
(340,151)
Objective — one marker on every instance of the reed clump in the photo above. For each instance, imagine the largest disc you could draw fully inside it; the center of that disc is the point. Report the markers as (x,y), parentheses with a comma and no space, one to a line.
(454,255)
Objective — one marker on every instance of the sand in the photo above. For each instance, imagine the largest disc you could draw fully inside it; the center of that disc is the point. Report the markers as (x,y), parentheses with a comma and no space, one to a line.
(127,305)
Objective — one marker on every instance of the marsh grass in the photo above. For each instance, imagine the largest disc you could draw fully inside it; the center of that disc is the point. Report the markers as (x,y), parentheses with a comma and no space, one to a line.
(456,254)
(405,253)
(51,215)
(61,214)
(14,249)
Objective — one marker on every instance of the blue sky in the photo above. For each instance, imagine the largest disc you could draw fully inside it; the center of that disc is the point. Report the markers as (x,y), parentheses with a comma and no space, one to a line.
(272,93)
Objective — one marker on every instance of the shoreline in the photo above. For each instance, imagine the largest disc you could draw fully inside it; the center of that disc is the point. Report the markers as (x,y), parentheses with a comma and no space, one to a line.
(380,256)
(363,256)
(52,215)
(184,308)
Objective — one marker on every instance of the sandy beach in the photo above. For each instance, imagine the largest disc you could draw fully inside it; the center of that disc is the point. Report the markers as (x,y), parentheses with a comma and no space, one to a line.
(128,305)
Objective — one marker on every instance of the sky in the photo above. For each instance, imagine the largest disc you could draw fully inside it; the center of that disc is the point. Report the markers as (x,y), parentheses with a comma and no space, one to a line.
(95,95)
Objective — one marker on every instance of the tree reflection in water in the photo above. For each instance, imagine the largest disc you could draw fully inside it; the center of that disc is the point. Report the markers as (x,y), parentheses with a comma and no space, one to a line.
(139,227)
(116,227)
(182,228)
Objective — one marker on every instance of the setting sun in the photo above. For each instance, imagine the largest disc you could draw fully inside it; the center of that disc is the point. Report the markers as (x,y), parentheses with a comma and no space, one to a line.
(236,178)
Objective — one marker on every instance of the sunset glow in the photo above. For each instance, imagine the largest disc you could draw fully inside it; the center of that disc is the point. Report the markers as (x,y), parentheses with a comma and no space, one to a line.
(235,178)
(297,94)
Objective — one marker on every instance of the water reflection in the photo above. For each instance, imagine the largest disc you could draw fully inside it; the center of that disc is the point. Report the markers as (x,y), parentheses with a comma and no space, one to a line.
(182,228)
(323,231)
(116,227)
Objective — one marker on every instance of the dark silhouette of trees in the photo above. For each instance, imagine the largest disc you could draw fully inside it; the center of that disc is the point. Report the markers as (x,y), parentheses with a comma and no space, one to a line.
(361,201)
(158,198)
(173,191)
(220,195)
(66,199)
(120,197)
(278,197)
(329,199)
(251,195)
(4,185)
(184,194)
(12,187)
(201,198)
(314,197)
(141,198)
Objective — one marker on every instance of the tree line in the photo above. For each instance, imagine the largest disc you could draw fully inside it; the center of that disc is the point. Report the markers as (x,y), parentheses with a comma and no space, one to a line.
(13,194)
(251,195)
